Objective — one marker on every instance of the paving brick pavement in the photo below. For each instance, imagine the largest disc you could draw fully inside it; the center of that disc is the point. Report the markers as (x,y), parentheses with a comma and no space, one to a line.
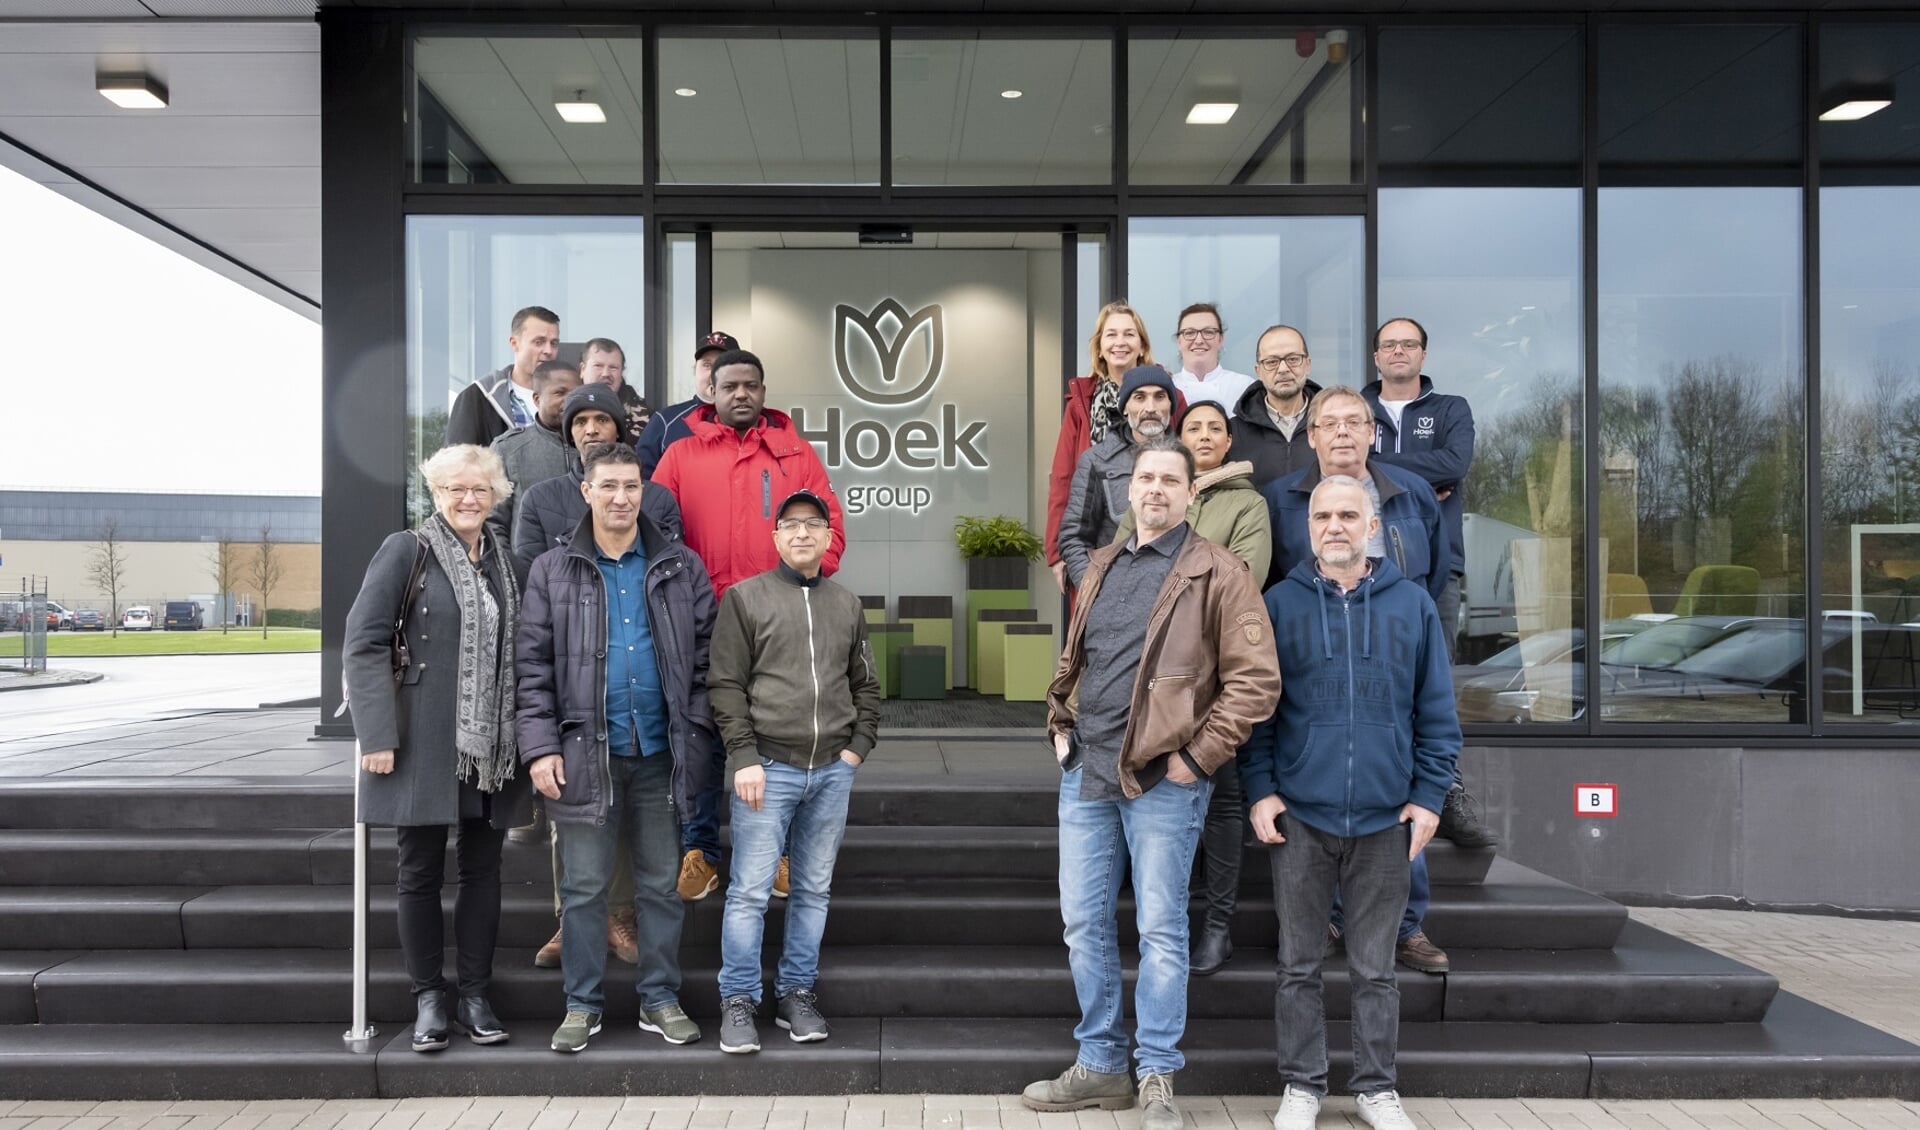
(932,1112)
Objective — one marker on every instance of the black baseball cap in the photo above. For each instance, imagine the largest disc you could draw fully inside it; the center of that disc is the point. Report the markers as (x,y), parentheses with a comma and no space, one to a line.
(715,341)
(808,497)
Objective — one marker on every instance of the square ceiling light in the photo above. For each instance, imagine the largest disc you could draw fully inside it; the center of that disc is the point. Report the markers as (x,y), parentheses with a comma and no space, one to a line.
(1851,103)
(133,92)
(580,113)
(1211,113)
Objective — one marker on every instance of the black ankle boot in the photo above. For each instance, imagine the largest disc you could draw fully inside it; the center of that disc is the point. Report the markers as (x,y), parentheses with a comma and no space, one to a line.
(474,1015)
(1212,948)
(430,1020)
(1460,821)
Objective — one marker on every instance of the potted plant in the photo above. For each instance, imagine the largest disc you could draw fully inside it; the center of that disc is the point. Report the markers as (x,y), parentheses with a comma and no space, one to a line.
(996,550)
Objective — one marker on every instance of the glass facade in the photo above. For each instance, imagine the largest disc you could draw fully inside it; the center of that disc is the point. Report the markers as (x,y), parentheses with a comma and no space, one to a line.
(1608,226)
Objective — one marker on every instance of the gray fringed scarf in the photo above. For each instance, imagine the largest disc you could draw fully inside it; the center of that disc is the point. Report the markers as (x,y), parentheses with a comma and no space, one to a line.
(1104,412)
(483,724)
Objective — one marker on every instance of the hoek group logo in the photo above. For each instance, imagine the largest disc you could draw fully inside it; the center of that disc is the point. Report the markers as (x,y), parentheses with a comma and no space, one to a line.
(874,375)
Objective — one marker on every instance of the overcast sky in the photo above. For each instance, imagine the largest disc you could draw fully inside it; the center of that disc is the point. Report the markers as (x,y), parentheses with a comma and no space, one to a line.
(134,368)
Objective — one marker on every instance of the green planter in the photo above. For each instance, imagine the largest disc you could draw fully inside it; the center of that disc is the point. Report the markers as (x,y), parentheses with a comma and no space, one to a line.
(1029,661)
(875,608)
(886,641)
(991,648)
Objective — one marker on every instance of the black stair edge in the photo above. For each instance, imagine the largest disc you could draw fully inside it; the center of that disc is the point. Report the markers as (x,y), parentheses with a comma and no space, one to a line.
(175,802)
(182,1061)
(168,856)
(19,972)
(624,1060)
(76,917)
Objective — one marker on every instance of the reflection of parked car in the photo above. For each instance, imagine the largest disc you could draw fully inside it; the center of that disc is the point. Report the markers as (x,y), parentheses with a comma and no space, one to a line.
(139,618)
(1759,675)
(89,620)
(1508,685)
(183,616)
(1663,645)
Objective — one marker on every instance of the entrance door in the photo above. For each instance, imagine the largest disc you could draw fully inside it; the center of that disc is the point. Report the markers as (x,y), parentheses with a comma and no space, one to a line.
(927,374)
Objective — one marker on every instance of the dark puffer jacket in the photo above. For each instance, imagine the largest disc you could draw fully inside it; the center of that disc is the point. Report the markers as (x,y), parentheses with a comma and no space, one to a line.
(1256,440)
(561,655)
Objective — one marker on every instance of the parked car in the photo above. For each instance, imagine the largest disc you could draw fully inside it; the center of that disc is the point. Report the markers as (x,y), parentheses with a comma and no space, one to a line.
(58,617)
(139,618)
(89,620)
(1760,675)
(183,616)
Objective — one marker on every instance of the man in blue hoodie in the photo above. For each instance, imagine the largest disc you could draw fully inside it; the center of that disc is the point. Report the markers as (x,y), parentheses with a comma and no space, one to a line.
(1347,780)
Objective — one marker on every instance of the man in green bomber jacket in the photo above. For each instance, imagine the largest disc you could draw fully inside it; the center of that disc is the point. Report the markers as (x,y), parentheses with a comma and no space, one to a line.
(794,692)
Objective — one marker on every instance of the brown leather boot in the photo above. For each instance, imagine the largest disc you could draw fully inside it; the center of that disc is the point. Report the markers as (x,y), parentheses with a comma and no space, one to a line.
(1420,953)
(549,955)
(623,937)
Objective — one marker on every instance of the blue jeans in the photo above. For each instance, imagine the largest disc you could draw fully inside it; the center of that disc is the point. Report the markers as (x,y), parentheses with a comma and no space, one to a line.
(642,810)
(1158,832)
(806,809)
(1306,871)
(1419,893)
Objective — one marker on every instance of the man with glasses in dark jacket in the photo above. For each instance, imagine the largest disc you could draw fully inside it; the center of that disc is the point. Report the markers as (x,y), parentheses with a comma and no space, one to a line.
(613,715)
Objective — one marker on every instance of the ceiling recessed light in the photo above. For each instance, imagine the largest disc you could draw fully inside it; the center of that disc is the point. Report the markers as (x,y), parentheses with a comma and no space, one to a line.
(1011,93)
(580,112)
(1851,103)
(1211,113)
(133,92)
(685,91)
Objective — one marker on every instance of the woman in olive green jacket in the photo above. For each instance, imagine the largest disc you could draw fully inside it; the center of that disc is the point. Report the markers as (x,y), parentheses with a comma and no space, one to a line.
(1229,512)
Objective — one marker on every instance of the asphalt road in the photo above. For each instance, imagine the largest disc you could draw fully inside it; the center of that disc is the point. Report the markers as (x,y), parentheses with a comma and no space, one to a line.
(159,686)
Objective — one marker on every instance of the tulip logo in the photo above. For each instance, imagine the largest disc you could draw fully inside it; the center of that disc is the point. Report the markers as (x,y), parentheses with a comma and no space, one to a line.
(878,362)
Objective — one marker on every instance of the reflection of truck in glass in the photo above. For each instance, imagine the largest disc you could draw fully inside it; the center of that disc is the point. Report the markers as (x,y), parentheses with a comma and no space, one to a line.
(1486,594)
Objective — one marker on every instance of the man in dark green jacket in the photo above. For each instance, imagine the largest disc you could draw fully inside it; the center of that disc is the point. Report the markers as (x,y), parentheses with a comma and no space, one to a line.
(792,683)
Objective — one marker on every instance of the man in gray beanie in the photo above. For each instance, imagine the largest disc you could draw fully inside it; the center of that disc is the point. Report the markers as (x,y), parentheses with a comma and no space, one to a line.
(1097,499)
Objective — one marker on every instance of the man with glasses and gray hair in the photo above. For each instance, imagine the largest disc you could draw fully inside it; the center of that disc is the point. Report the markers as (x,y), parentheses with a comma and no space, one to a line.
(1200,333)
(1410,532)
(1269,426)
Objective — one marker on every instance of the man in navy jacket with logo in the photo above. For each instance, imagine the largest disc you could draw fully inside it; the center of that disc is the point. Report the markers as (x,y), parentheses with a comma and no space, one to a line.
(1431,434)
(1347,780)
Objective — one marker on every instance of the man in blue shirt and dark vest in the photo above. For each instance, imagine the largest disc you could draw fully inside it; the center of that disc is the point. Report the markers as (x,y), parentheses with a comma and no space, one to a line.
(613,714)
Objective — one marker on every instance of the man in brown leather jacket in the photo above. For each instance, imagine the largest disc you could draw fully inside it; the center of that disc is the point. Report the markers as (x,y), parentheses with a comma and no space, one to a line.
(1142,711)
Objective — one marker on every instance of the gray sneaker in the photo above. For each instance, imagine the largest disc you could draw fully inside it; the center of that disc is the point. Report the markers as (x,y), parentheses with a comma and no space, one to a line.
(671,1022)
(799,1013)
(1080,1089)
(1157,1109)
(572,1034)
(737,1032)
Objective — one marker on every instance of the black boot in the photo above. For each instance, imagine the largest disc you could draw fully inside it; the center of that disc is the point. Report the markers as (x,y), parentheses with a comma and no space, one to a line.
(1460,821)
(475,1016)
(430,1020)
(1212,948)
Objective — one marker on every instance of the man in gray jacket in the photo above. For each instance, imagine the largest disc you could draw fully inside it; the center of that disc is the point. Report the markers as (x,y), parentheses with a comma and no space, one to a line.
(794,693)
(614,729)
(1097,499)
(537,452)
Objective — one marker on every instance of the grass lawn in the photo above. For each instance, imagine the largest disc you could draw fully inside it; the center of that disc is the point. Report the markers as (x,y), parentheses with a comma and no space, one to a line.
(207,641)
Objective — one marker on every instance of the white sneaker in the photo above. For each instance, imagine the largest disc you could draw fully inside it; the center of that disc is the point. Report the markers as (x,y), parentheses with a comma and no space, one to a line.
(1381,1110)
(1298,1109)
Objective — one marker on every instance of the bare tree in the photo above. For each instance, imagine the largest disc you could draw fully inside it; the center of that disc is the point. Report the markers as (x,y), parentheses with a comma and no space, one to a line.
(107,567)
(223,566)
(266,571)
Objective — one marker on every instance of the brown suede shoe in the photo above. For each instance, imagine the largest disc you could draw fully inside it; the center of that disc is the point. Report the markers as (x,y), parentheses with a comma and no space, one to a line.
(697,877)
(549,955)
(780,880)
(1420,953)
(623,938)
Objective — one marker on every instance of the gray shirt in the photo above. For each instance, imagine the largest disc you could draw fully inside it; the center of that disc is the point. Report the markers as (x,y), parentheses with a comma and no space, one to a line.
(1115,637)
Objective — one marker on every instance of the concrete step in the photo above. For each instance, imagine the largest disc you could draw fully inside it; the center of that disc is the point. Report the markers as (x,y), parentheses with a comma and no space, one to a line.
(1799,1051)
(1649,977)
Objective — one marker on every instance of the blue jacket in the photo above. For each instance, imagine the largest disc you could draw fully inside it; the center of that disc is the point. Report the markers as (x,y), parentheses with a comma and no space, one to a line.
(667,425)
(1435,441)
(1366,721)
(1411,523)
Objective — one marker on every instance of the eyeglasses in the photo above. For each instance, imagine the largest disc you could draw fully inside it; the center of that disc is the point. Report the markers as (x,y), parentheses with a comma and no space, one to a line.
(467,492)
(1355,424)
(794,525)
(1275,364)
(1399,345)
(1197,335)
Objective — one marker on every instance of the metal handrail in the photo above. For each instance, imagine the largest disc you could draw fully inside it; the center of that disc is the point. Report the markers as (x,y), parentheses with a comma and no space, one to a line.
(359,1038)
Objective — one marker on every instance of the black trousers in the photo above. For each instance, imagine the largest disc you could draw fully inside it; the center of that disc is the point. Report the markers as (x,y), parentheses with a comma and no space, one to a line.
(476,906)
(1221,844)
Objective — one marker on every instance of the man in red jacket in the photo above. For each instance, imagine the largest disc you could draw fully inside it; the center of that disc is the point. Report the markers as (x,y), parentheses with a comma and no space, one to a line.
(730,476)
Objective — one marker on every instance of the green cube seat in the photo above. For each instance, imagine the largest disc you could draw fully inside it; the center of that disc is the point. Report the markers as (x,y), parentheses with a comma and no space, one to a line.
(875,609)
(932,620)
(990,646)
(1029,661)
(886,641)
(923,671)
